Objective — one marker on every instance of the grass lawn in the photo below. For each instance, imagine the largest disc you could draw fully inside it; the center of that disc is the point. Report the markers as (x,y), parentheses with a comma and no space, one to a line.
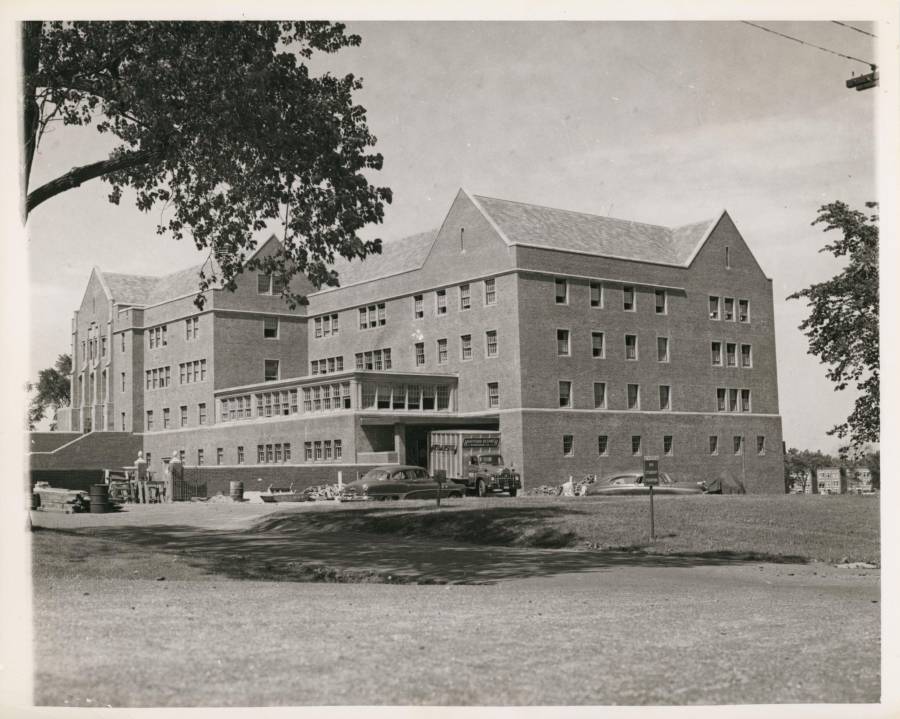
(795,527)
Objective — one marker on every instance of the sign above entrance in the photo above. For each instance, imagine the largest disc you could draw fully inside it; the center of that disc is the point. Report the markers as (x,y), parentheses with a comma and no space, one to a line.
(481,442)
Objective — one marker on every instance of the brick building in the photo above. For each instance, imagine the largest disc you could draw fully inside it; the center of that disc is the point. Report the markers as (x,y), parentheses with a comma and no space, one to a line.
(587,341)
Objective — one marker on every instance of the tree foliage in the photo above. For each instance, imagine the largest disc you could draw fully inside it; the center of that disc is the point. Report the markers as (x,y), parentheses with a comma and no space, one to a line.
(220,124)
(842,326)
(52,391)
(801,465)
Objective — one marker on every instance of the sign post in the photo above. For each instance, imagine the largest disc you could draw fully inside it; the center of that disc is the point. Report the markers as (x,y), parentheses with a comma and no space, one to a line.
(651,479)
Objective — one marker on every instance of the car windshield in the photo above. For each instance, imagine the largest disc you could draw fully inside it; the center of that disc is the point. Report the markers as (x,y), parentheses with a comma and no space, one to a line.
(495,460)
(376,475)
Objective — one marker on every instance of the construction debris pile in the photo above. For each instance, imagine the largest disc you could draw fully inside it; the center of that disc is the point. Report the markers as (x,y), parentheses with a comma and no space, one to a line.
(569,488)
(321,491)
(55,499)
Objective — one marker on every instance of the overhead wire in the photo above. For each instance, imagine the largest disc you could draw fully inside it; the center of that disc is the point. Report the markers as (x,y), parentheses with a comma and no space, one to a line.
(843,24)
(804,42)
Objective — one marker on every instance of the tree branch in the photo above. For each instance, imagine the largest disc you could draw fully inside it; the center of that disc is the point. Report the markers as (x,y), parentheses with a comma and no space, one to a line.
(77,175)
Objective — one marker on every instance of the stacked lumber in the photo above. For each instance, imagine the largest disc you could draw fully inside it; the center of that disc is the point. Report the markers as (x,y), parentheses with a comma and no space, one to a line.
(55,499)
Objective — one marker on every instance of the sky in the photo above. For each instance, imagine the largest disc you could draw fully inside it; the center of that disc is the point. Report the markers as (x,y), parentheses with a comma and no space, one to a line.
(659,122)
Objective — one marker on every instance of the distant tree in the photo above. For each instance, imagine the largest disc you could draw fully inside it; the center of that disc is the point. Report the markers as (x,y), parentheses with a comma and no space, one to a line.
(800,466)
(843,323)
(51,391)
(873,462)
(223,126)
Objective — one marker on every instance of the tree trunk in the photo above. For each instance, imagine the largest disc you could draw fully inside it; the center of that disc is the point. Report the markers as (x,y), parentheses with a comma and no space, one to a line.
(31,51)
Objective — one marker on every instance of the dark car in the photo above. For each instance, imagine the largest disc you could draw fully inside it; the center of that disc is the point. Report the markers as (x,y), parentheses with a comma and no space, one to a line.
(633,483)
(396,482)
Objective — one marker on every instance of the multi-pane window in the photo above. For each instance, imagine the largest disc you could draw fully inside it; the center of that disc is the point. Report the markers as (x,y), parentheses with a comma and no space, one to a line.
(270,328)
(730,348)
(713,307)
(597,349)
(271,370)
(493,394)
(713,444)
(307,451)
(156,337)
(490,292)
(628,299)
(662,349)
(442,351)
(122,342)
(599,395)
(399,395)
(183,415)
(372,316)
(263,284)
(327,448)
(562,342)
(190,372)
(738,443)
(661,302)
(465,347)
(728,312)
(440,297)
(565,394)
(720,399)
(165,418)
(667,445)
(420,354)
(338,449)
(665,397)
(465,297)
(149,420)
(413,396)
(745,400)
(743,310)
(596,294)
(760,444)
(191,328)
(418,307)
(746,356)
(200,459)
(240,454)
(603,445)
(491,343)
(568,445)
(732,400)
(634,396)
(158,378)
(220,455)
(631,347)
(443,396)
(201,413)
(716,348)
(562,291)
(635,445)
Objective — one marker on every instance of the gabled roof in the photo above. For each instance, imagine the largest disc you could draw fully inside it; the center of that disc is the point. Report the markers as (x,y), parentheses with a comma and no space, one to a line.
(396,256)
(147,290)
(538,226)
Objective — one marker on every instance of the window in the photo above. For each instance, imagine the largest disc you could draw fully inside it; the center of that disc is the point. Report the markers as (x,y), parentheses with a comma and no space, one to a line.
(491,343)
(490,292)
(745,400)
(123,422)
(628,299)
(199,457)
(738,444)
(730,360)
(562,342)
(442,351)
(399,397)
(418,307)
(665,397)
(122,336)
(713,444)
(713,308)
(493,394)
(103,346)
(599,395)
(568,445)
(149,420)
(660,302)
(318,450)
(220,455)
(596,294)
(271,370)
(667,445)
(372,316)
(760,444)
(603,445)
(263,284)
(597,349)
(562,291)
(565,394)
(465,297)
(635,445)
(191,328)
(716,348)
(420,354)
(201,413)
(732,400)
(123,381)
(165,418)
(662,349)
(743,310)
(443,396)
(634,396)
(182,410)
(440,297)
(181,455)
(270,328)
(720,399)
(307,451)
(327,445)
(746,356)
(338,450)
(728,313)
(631,349)
(413,396)
(465,345)
(727,258)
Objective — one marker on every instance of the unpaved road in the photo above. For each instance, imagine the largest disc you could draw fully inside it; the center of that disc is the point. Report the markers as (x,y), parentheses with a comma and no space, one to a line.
(511,626)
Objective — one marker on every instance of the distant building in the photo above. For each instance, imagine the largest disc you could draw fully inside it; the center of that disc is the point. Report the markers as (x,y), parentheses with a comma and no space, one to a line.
(860,480)
(801,482)
(831,480)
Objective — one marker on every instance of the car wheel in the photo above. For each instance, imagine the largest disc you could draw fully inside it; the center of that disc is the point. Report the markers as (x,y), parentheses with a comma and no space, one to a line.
(480,488)
(513,491)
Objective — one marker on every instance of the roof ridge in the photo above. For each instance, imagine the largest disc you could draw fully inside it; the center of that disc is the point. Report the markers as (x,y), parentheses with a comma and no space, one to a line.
(575,212)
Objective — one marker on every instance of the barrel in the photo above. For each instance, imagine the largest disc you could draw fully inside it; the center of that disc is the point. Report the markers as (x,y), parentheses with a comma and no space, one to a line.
(99,498)
(236,491)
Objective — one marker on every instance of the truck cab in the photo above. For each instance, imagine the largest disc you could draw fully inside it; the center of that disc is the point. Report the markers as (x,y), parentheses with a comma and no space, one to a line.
(488,473)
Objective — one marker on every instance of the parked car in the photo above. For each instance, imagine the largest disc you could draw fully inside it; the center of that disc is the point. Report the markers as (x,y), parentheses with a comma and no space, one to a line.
(633,483)
(396,482)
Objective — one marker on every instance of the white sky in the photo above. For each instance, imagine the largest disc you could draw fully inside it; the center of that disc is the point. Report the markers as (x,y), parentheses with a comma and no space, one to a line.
(656,122)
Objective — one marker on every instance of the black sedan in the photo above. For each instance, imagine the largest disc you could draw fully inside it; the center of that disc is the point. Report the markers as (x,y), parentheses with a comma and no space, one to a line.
(633,483)
(397,481)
